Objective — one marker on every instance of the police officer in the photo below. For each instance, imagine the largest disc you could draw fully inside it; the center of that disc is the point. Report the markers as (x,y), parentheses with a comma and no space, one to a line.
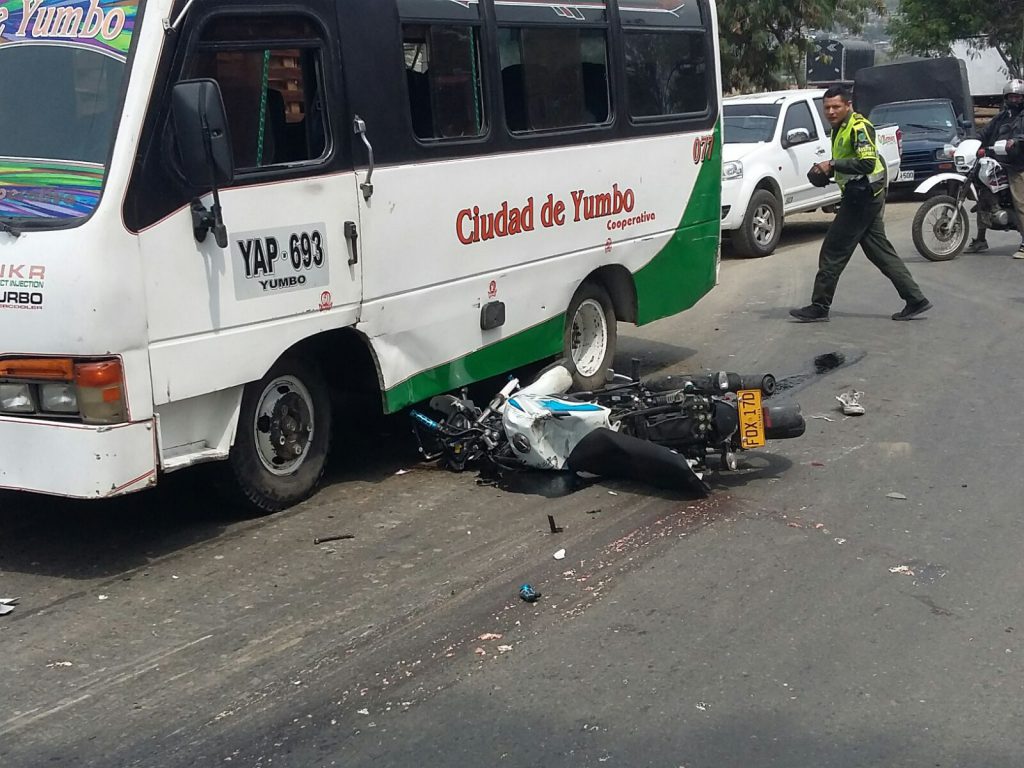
(860,173)
(1008,124)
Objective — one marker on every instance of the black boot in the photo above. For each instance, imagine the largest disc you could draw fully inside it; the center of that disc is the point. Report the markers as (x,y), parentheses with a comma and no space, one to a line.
(812,313)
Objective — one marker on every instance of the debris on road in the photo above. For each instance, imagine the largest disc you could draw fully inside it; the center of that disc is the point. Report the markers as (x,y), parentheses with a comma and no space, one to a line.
(703,706)
(821,416)
(851,403)
(102,597)
(333,537)
(828,362)
(504,648)
(593,511)
(904,570)
(7,604)
(59,664)
(480,651)
(554,528)
(895,495)
(528,593)
(560,554)
(403,472)
(490,636)
(363,711)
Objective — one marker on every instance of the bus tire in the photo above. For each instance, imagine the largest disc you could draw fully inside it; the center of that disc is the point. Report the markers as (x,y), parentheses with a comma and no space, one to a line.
(588,342)
(283,437)
(761,227)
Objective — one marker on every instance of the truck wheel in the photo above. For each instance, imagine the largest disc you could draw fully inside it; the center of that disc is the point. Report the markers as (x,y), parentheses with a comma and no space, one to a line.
(762,225)
(283,437)
(589,338)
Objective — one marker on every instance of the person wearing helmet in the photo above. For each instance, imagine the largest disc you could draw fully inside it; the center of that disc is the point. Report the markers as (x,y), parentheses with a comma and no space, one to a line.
(1008,124)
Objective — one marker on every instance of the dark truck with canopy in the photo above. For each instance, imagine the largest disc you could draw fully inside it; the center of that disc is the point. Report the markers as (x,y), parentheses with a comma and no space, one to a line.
(930,101)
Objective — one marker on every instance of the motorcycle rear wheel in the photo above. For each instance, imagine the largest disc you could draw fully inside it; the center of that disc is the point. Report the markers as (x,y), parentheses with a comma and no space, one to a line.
(940,228)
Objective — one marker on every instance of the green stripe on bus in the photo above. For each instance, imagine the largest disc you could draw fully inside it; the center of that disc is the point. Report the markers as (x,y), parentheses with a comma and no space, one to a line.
(687,262)
(543,340)
(684,270)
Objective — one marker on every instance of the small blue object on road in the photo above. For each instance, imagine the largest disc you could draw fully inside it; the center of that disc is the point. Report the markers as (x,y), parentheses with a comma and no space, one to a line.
(528,593)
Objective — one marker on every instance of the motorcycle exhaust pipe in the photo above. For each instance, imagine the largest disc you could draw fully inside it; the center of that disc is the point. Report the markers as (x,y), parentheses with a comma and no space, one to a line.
(784,421)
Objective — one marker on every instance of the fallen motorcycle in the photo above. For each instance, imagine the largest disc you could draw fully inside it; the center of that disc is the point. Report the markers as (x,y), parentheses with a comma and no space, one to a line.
(941,226)
(667,431)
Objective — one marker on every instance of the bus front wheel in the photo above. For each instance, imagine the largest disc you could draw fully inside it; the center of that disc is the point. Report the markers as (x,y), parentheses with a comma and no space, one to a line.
(590,336)
(283,437)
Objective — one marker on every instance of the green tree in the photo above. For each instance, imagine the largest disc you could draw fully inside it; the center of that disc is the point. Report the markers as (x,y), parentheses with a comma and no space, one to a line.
(929,26)
(764,41)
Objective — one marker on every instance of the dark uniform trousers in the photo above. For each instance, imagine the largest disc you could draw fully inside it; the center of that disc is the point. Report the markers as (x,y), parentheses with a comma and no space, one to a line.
(859,221)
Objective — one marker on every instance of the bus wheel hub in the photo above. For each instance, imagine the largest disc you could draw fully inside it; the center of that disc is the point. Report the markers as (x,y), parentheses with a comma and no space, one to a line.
(284,425)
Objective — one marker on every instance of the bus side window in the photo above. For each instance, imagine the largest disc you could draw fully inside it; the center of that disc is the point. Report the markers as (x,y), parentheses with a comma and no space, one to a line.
(666,73)
(553,78)
(272,96)
(442,71)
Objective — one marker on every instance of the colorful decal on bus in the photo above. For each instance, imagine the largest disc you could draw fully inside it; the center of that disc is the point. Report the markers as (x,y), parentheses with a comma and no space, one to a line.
(104,24)
(36,188)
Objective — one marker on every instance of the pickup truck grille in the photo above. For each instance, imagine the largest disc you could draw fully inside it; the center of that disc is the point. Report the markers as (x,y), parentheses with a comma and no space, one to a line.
(918,156)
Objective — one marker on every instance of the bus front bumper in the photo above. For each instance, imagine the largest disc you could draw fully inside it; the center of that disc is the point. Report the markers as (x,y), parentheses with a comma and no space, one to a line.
(76,460)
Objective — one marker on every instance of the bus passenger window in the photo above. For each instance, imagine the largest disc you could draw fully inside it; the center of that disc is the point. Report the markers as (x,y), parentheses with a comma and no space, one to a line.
(666,73)
(272,96)
(553,78)
(442,70)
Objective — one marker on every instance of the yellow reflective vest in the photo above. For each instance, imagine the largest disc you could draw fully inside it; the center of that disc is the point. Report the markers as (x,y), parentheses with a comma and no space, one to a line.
(855,140)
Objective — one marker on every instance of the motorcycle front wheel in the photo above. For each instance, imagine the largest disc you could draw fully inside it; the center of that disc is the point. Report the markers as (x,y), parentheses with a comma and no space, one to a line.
(940,228)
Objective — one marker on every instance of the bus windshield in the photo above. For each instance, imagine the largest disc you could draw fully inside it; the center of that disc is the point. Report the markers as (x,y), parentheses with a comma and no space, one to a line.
(64,72)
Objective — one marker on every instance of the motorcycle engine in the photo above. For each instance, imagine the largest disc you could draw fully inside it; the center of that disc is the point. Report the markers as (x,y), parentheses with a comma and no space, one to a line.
(687,424)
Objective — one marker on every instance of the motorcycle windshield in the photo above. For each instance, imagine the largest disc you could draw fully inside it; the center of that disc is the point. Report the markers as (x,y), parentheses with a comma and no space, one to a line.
(63,70)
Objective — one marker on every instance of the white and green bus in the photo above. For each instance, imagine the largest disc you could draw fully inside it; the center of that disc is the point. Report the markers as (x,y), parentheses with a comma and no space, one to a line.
(217,214)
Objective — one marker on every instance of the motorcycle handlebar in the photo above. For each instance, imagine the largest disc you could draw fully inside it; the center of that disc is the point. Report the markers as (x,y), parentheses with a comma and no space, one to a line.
(714,383)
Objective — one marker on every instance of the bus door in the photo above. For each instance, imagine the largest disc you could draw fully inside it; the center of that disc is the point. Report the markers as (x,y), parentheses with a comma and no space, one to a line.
(291,212)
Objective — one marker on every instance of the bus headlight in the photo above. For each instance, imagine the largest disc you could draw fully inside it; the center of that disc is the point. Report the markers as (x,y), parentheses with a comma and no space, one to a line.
(100,391)
(91,390)
(732,170)
(16,398)
(58,398)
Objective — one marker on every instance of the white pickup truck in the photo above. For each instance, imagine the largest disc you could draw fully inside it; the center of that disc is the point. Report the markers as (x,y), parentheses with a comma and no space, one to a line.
(771,141)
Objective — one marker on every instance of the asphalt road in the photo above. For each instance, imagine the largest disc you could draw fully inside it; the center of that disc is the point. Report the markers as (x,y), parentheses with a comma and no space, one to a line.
(798,618)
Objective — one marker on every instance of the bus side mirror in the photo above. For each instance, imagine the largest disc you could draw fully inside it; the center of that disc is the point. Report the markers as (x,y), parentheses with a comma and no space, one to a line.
(201,128)
(204,145)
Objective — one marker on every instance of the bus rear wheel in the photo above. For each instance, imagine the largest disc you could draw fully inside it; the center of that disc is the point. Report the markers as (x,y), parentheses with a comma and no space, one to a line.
(590,336)
(283,437)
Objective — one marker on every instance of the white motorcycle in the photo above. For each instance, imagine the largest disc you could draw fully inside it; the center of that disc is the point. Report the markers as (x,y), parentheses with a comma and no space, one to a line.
(942,226)
(665,431)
